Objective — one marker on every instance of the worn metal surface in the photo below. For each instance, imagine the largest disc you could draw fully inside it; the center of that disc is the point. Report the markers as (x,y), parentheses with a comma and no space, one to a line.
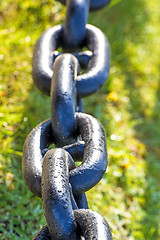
(94,161)
(63,103)
(56,196)
(97,68)
(40,138)
(74,28)
(92,225)
(43,234)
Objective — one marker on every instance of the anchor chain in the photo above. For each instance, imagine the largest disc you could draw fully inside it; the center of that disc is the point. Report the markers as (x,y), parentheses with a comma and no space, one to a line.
(51,173)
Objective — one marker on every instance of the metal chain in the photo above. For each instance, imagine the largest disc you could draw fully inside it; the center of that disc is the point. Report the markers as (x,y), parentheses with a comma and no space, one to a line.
(51,174)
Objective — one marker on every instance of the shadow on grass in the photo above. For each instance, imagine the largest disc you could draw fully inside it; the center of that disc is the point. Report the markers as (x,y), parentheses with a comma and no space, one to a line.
(127,23)
(148,130)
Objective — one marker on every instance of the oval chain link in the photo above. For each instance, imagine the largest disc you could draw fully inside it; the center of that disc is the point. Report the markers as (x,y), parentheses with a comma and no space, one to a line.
(97,67)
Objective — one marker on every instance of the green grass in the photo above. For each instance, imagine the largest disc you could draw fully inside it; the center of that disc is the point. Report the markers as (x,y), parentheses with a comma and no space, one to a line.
(128,107)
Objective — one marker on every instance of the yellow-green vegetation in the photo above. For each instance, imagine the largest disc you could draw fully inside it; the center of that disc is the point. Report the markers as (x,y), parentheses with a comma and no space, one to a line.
(128,106)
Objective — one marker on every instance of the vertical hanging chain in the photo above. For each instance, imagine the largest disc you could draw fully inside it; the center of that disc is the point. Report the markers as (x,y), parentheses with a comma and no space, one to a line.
(51,174)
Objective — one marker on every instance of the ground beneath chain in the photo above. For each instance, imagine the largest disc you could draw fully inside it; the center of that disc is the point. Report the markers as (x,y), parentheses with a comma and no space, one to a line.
(128,106)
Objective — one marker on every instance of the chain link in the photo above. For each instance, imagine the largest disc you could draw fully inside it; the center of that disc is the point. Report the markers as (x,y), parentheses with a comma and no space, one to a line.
(94,4)
(51,174)
(97,68)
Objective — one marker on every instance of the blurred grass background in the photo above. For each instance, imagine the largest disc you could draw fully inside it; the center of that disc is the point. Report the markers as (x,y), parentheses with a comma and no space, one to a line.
(128,106)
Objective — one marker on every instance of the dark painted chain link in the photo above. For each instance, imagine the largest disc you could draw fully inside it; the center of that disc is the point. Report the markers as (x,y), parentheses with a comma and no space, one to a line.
(51,174)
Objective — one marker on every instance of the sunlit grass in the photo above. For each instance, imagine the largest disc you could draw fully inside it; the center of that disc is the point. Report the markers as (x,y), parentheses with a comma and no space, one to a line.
(128,107)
